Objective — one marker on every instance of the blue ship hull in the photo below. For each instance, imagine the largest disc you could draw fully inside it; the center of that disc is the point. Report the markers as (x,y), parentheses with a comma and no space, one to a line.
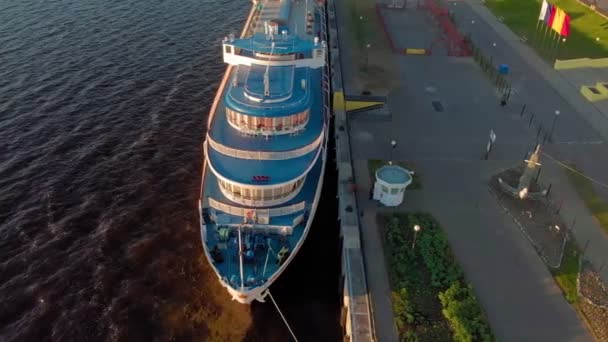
(265,150)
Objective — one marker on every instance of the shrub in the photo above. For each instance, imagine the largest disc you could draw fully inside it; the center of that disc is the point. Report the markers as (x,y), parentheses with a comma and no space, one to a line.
(403,309)
(461,309)
(435,251)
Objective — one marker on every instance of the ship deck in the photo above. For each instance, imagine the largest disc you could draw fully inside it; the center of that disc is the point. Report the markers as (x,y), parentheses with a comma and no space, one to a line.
(307,193)
(281,86)
(244,171)
(223,133)
(253,269)
(261,248)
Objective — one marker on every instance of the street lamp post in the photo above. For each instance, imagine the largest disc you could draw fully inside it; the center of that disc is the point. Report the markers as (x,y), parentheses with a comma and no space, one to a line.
(557,112)
(367,46)
(393,145)
(416,230)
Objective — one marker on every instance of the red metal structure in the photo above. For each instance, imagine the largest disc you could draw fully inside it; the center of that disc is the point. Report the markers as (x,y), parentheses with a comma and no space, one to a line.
(456,42)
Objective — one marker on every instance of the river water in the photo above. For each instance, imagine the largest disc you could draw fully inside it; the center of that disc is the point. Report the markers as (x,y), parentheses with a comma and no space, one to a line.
(103,107)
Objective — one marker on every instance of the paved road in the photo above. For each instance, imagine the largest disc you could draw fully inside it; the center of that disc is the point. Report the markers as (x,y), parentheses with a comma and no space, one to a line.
(521,299)
(581,132)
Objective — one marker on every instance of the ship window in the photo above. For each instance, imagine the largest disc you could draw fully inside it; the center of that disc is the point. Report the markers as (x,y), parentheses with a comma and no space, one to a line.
(394,191)
(227,48)
(267,193)
(384,189)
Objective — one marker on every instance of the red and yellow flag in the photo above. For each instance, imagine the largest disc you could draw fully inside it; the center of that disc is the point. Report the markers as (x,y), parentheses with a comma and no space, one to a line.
(559,19)
(566,27)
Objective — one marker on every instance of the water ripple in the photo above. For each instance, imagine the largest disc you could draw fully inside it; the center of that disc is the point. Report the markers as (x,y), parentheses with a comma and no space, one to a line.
(102,106)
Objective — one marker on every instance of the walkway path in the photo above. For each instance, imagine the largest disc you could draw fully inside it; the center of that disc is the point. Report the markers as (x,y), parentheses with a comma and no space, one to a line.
(521,299)
(581,132)
(375,269)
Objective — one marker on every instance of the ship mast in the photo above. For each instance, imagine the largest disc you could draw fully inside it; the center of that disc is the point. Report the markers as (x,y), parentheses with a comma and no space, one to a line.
(241,259)
(266,77)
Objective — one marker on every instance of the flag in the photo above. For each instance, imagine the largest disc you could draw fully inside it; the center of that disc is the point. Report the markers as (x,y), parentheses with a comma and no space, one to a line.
(566,27)
(550,14)
(558,20)
(543,10)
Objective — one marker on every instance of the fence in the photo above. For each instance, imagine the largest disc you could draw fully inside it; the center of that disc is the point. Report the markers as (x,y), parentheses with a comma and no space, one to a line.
(384,28)
(456,42)
(486,64)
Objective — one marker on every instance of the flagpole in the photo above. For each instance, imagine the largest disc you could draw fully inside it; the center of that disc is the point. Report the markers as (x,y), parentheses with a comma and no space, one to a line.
(541,17)
(541,47)
(549,43)
(536,32)
(559,38)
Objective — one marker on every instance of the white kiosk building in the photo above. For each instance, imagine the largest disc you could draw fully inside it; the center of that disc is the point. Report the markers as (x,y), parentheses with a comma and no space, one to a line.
(391,182)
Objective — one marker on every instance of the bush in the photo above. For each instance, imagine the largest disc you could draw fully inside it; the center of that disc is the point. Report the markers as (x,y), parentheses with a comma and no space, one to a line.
(402,307)
(436,252)
(410,272)
(461,309)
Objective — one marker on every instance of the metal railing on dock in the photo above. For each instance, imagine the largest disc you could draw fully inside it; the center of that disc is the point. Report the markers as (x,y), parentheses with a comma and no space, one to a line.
(356,313)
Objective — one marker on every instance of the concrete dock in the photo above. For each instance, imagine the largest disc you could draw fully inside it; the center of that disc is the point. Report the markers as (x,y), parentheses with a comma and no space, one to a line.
(356,313)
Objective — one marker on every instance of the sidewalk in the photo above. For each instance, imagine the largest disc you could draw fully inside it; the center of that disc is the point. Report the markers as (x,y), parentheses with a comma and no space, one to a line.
(377,277)
(516,290)
(581,131)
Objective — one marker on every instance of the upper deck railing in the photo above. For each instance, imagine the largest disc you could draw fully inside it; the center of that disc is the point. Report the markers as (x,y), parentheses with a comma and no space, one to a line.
(256,50)
(265,155)
(238,211)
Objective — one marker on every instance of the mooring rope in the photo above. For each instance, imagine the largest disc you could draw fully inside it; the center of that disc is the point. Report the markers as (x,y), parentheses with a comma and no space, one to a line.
(283,317)
(600,183)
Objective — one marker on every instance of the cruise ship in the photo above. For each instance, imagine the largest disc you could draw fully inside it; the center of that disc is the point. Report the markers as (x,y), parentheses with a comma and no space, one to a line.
(266,146)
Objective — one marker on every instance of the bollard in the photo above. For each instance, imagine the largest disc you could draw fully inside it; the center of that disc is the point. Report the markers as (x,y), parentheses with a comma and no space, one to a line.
(561,202)
(531,119)
(585,248)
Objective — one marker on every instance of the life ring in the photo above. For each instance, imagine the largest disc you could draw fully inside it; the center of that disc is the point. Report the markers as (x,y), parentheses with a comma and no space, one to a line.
(250,214)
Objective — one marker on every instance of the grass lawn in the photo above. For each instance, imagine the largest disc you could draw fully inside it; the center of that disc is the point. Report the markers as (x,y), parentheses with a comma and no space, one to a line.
(597,205)
(585,25)
(364,23)
(431,299)
(567,274)
(375,164)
